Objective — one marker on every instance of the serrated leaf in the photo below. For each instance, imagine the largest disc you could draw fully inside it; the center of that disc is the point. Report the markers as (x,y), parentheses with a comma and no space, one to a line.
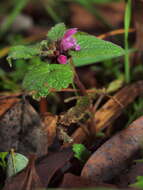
(94,50)
(22,52)
(16,163)
(43,77)
(56,32)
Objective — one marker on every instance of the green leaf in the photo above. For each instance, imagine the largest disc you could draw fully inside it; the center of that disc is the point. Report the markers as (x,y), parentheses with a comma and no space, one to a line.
(43,77)
(139,183)
(81,152)
(127,21)
(116,84)
(94,50)
(22,52)
(56,32)
(16,163)
(3,156)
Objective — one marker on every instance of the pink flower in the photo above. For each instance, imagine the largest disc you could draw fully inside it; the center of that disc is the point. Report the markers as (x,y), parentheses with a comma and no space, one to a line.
(62,59)
(68,41)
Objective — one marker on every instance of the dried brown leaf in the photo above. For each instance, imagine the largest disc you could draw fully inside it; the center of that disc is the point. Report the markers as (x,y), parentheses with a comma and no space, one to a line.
(22,129)
(114,155)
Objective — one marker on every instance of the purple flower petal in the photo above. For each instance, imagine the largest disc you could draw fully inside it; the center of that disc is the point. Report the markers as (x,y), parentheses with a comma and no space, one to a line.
(62,59)
(70,32)
(68,43)
(77,47)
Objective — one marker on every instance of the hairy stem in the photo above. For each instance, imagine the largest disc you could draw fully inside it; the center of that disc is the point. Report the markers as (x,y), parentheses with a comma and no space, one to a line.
(77,80)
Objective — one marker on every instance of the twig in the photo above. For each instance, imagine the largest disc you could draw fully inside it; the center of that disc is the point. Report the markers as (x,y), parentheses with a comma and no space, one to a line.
(115,32)
(97,103)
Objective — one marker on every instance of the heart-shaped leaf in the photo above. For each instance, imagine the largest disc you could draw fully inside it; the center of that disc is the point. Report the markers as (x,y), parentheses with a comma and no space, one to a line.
(44,77)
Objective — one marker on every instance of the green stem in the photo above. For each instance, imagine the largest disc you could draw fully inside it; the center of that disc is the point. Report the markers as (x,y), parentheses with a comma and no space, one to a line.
(73,85)
(127,20)
(13,160)
(77,80)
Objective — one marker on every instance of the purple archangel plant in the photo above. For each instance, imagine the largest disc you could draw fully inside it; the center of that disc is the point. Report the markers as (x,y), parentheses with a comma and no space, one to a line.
(51,68)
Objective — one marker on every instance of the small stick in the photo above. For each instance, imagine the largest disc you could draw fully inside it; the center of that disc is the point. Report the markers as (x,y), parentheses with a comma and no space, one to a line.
(115,32)
(97,103)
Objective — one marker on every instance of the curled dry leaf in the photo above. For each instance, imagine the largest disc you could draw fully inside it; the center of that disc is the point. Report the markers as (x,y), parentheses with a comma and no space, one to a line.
(22,130)
(110,111)
(114,155)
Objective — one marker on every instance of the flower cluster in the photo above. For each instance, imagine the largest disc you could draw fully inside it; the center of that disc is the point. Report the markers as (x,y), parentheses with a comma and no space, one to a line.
(68,42)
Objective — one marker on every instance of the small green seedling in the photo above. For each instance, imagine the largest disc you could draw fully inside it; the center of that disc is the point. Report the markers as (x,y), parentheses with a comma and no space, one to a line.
(81,152)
